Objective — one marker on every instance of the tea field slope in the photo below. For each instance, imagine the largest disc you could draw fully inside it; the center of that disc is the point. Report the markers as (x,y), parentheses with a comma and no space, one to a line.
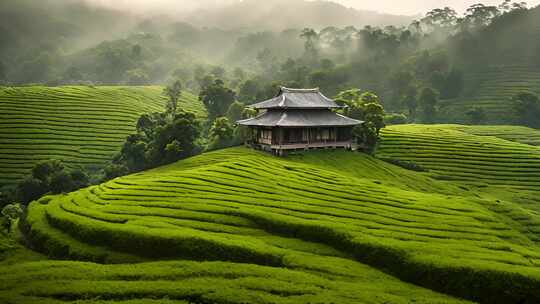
(299,214)
(499,162)
(459,153)
(492,89)
(82,125)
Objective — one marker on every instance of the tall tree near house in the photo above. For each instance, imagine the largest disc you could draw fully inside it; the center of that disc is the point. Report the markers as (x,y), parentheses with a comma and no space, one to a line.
(174,92)
(364,106)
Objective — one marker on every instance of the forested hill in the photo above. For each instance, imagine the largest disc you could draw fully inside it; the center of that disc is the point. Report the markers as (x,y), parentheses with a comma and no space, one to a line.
(283,14)
(499,62)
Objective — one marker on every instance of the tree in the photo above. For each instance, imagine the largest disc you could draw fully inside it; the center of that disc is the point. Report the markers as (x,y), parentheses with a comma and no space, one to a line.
(80,178)
(221,133)
(410,101)
(239,73)
(248,91)
(61,182)
(10,213)
(428,100)
(217,99)
(30,189)
(444,19)
(527,108)
(480,15)
(364,106)
(221,129)
(401,83)
(476,115)
(114,170)
(3,72)
(218,72)
(310,35)
(45,169)
(137,77)
(162,148)
(453,84)
(234,113)
(8,195)
(374,115)
(249,113)
(395,119)
(134,152)
(173,92)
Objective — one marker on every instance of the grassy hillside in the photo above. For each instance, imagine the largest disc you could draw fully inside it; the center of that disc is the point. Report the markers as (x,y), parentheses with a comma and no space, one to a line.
(337,217)
(84,126)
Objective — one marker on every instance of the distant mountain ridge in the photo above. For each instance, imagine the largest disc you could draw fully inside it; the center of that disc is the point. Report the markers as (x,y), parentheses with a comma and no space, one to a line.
(283,14)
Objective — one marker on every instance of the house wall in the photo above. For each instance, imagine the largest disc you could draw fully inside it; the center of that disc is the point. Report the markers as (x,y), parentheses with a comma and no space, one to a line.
(283,136)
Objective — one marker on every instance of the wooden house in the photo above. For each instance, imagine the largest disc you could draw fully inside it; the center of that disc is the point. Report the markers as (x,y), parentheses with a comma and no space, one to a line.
(299,119)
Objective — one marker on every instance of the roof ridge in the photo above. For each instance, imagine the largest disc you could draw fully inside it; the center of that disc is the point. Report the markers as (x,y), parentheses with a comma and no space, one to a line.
(293,90)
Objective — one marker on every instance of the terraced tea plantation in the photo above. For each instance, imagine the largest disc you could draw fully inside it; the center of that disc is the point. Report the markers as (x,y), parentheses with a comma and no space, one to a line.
(492,90)
(323,227)
(477,155)
(84,126)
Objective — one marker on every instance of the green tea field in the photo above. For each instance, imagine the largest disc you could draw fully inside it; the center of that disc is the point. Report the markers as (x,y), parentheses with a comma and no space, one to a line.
(240,226)
(492,89)
(80,125)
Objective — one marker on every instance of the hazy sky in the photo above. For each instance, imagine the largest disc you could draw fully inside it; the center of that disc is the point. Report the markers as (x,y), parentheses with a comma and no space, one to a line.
(404,7)
(413,7)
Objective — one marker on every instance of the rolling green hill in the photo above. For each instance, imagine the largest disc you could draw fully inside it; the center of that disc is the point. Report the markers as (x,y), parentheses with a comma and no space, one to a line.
(316,227)
(81,125)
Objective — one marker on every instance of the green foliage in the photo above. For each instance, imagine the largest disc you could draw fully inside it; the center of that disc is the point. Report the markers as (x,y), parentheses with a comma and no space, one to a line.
(249,113)
(235,111)
(114,170)
(428,99)
(173,92)
(44,170)
(61,182)
(10,214)
(221,133)
(51,176)
(159,140)
(217,98)
(30,189)
(476,116)
(364,106)
(405,164)
(395,119)
(311,52)
(527,107)
(8,195)
(133,77)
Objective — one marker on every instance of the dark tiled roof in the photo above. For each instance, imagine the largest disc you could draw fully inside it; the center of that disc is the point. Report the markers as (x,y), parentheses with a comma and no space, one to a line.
(297,99)
(299,118)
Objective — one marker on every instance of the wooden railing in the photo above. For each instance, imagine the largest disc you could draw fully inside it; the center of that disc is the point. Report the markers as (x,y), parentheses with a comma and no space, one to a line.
(307,145)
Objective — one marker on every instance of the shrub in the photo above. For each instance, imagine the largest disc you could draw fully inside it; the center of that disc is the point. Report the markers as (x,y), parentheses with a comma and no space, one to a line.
(405,164)
(8,195)
(61,182)
(30,189)
(395,119)
(114,170)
